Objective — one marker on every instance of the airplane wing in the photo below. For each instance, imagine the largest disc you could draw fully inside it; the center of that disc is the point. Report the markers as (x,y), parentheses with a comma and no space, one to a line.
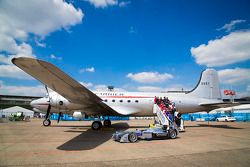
(63,84)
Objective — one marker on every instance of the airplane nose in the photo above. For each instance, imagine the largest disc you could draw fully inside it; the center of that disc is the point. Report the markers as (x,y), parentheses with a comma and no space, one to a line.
(33,103)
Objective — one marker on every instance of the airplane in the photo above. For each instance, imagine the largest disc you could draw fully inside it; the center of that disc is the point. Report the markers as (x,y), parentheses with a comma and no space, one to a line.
(71,97)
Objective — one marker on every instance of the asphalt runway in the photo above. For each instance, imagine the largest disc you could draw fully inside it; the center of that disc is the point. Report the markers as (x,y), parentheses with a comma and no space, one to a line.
(75,144)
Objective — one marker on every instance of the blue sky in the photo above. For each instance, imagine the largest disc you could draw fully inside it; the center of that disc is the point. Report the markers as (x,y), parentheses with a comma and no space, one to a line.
(130,43)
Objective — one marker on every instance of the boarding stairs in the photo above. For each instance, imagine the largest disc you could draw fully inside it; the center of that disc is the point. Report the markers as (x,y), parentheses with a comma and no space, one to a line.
(163,119)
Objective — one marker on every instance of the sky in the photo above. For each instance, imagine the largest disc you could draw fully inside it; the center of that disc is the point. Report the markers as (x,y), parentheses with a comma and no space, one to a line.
(134,45)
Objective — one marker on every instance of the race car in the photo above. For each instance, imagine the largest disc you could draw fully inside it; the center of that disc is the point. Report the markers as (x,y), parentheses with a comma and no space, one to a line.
(146,134)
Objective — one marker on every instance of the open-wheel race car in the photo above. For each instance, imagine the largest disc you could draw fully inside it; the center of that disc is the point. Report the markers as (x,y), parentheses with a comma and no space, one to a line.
(146,134)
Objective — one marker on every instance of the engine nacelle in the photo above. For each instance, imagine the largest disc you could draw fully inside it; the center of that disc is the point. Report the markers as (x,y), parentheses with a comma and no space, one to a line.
(78,114)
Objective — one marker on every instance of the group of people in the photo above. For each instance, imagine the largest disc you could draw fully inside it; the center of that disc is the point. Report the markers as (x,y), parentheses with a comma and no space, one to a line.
(166,106)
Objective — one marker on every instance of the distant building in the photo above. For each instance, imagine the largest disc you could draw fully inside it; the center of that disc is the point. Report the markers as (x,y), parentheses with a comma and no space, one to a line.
(7,101)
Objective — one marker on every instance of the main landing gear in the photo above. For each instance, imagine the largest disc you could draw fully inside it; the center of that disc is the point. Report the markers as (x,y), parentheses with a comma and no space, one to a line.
(97,125)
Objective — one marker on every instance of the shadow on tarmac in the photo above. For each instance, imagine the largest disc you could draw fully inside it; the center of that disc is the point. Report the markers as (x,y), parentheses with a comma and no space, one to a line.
(213,126)
(90,139)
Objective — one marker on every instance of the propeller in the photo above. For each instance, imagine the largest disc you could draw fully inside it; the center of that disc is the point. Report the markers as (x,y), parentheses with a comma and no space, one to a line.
(49,107)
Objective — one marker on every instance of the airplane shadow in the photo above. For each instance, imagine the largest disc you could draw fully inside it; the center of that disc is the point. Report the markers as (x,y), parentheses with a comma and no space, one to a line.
(89,139)
(213,126)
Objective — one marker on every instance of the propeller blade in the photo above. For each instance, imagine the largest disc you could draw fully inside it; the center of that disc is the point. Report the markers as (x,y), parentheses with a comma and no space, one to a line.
(46,89)
(47,93)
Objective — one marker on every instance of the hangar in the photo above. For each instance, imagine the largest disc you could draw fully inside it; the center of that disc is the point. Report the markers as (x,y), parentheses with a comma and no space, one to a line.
(7,101)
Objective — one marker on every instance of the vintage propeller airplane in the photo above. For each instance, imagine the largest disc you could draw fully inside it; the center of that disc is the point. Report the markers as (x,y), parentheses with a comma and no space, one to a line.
(71,97)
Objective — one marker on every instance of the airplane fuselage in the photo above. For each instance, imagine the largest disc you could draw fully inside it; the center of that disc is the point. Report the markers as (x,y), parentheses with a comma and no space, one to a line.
(125,103)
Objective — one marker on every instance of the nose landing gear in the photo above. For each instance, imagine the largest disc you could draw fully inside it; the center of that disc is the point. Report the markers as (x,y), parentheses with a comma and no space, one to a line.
(46,122)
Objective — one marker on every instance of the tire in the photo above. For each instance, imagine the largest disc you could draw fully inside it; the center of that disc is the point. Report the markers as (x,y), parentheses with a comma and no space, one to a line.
(226,120)
(172,134)
(46,122)
(107,123)
(132,137)
(217,120)
(96,125)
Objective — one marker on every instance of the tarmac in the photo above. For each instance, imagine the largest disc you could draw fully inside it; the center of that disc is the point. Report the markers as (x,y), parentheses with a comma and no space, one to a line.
(75,144)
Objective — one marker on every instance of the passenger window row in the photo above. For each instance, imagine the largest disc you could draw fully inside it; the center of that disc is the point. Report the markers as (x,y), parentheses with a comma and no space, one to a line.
(121,101)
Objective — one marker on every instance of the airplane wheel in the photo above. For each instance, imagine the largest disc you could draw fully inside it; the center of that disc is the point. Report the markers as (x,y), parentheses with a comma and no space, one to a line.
(107,123)
(46,122)
(96,125)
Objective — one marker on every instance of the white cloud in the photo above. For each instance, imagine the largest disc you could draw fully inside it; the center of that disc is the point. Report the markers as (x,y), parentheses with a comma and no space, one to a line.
(232,48)
(87,84)
(149,77)
(124,3)
(10,71)
(38,90)
(91,69)
(230,26)
(40,44)
(18,20)
(237,76)
(52,56)
(102,3)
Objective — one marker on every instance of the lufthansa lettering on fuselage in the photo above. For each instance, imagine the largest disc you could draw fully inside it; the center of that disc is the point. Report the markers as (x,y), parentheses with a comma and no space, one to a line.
(110,94)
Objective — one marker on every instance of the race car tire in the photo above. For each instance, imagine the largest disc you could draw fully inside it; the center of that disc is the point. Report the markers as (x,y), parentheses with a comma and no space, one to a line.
(172,134)
(132,137)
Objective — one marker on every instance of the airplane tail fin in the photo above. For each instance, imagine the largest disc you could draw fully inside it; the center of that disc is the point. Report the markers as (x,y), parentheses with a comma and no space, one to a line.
(208,85)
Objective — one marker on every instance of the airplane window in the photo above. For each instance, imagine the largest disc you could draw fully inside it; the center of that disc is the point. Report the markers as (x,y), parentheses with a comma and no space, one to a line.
(121,101)
(106,100)
(136,101)
(113,100)
(129,101)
